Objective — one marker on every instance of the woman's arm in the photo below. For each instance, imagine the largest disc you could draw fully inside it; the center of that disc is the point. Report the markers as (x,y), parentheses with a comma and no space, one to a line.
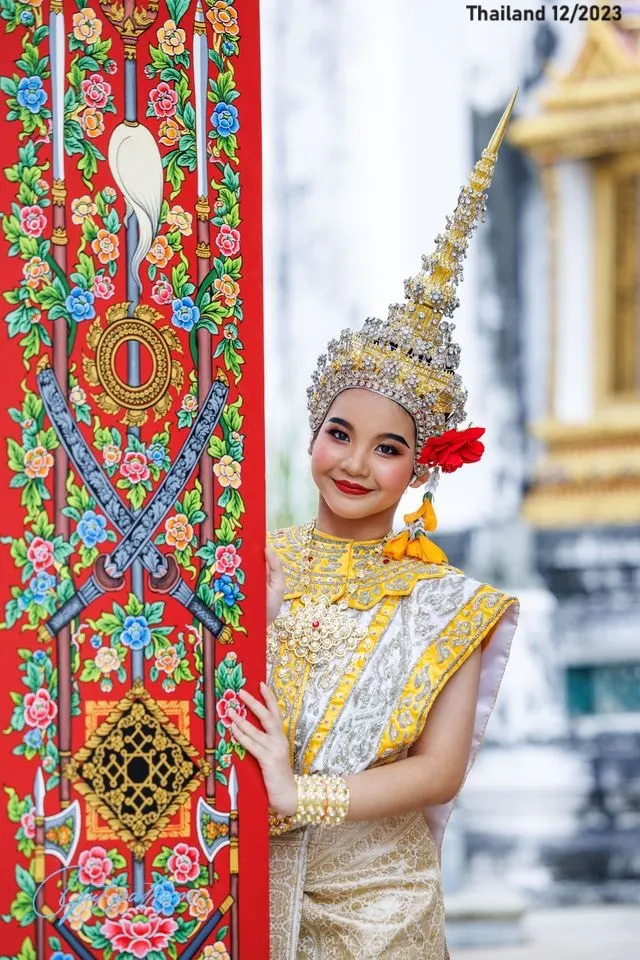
(435,768)
(431,774)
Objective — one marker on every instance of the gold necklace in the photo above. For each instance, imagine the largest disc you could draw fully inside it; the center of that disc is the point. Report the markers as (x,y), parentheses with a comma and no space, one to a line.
(357,569)
(319,630)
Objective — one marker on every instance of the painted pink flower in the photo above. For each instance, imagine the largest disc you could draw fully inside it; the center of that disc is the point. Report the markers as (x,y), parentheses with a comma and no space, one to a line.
(139,931)
(33,221)
(39,709)
(95,866)
(95,91)
(162,292)
(28,823)
(184,863)
(227,559)
(103,288)
(135,467)
(40,553)
(228,240)
(163,100)
(229,699)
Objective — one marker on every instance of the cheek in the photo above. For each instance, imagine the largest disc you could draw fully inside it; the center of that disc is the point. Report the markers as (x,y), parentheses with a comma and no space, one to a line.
(323,455)
(394,473)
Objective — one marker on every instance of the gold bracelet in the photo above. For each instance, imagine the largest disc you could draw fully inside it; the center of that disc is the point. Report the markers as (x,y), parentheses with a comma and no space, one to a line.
(337,801)
(279,824)
(312,800)
(322,801)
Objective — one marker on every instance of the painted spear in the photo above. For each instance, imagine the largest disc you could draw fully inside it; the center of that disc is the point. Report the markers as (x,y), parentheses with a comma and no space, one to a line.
(59,240)
(203,255)
(234,864)
(134,160)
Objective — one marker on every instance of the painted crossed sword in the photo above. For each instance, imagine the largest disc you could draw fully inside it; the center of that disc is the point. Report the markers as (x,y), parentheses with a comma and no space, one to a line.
(136,529)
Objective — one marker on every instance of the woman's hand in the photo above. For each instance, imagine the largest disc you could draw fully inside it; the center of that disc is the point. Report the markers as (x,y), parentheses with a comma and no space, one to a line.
(275,584)
(270,748)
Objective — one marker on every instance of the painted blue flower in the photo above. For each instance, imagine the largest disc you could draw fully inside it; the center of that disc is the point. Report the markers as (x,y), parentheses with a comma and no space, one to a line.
(33,739)
(185,313)
(39,656)
(41,585)
(79,303)
(92,528)
(227,588)
(136,633)
(165,898)
(225,119)
(156,453)
(228,48)
(31,94)
(96,641)
(27,18)
(59,955)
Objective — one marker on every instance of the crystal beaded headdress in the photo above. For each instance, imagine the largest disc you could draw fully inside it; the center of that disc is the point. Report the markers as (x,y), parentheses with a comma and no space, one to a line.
(411,358)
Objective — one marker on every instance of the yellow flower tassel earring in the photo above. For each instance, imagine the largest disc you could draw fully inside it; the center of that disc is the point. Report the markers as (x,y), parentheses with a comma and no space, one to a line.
(414,540)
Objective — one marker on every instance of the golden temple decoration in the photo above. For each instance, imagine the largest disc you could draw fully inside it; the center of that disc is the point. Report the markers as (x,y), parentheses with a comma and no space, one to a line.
(590,470)
(137,769)
(101,370)
(178,712)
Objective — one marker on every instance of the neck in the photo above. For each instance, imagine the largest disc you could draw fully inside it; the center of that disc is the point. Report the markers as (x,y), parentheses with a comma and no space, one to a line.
(374,527)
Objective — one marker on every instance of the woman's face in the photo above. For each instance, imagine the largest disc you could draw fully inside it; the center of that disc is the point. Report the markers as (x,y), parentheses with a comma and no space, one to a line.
(362,458)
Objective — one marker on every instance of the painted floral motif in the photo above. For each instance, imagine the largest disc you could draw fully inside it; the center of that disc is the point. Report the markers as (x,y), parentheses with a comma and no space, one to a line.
(49,568)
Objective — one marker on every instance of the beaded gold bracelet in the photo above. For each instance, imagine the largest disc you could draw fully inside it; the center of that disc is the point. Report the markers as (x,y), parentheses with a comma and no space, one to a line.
(322,801)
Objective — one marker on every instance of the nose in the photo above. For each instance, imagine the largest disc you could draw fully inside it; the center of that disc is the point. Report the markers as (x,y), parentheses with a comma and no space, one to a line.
(356,463)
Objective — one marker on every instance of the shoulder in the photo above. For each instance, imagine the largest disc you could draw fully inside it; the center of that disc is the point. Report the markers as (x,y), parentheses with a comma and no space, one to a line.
(462,600)
(285,539)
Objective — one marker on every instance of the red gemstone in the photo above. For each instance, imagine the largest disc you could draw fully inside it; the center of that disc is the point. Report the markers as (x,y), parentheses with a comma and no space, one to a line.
(315,624)
(386,560)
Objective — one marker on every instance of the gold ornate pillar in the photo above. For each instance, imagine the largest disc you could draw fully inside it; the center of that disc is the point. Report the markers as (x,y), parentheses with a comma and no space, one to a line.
(589,122)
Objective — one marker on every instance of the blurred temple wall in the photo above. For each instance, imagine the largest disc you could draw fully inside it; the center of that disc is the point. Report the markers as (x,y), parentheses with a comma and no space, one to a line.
(373,117)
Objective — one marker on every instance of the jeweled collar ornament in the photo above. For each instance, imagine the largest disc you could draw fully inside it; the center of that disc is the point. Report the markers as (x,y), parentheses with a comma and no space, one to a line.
(411,358)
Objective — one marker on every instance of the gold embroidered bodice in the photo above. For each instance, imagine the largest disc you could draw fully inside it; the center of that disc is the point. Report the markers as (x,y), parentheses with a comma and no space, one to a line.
(354,570)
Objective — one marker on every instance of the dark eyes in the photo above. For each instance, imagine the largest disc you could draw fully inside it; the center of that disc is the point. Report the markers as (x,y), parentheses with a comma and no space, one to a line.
(386,448)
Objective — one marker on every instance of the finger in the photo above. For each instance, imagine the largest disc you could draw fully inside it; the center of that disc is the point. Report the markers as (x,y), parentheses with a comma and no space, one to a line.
(255,749)
(247,728)
(257,708)
(271,701)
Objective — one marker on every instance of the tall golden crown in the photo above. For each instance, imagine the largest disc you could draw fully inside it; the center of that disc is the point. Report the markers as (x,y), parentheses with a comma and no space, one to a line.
(411,358)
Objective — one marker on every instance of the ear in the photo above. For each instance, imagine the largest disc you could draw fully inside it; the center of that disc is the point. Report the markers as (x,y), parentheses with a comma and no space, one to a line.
(420,481)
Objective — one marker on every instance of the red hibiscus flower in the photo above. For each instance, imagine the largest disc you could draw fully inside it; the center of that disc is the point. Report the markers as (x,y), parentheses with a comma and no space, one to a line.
(95,866)
(32,221)
(228,240)
(95,91)
(134,467)
(452,449)
(227,559)
(40,553)
(184,863)
(39,709)
(139,931)
(229,699)
(163,100)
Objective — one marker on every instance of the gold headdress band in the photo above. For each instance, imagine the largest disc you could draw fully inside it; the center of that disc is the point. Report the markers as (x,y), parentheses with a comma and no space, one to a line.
(411,358)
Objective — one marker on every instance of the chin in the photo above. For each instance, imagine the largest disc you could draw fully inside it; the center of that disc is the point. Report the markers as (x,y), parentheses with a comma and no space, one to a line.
(350,508)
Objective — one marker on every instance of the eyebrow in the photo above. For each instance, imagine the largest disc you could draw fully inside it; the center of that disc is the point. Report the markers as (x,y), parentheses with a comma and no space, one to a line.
(381,436)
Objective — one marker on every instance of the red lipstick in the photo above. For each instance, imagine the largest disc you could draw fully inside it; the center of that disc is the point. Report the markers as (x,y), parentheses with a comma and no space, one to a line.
(351,488)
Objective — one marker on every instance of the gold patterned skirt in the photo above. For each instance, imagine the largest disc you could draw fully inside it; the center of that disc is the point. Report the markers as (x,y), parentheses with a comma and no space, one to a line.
(360,890)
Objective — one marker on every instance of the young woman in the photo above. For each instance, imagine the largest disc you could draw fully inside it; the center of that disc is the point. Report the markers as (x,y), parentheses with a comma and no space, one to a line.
(384,662)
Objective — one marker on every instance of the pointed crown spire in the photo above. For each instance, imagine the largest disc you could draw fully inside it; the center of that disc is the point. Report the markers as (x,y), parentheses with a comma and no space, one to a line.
(411,358)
